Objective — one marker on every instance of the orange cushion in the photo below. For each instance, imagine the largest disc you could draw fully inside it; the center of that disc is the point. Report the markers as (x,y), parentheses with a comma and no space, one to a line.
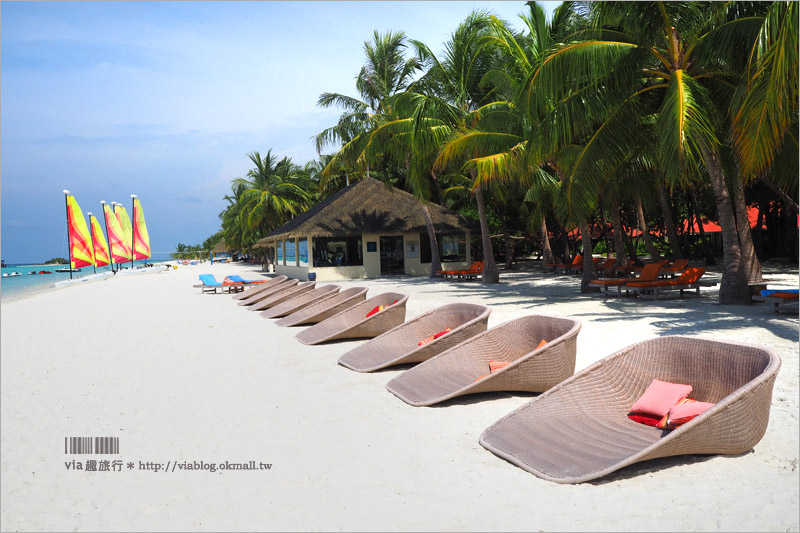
(542,343)
(494,366)
(659,397)
(784,294)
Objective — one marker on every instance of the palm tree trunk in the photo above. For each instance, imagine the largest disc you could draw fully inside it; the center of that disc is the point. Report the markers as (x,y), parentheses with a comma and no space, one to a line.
(589,273)
(436,260)
(648,240)
(672,232)
(619,244)
(733,287)
(706,248)
(489,275)
(750,262)
(547,252)
(506,239)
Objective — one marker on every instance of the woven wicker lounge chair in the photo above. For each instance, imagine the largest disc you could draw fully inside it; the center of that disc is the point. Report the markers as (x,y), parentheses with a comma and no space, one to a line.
(269,291)
(464,369)
(401,344)
(319,311)
(304,300)
(283,296)
(260,287)
(649,273)
(353,323)
(579,430)
(651,289)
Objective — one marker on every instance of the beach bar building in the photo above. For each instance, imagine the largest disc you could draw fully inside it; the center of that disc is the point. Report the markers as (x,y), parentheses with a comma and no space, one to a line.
(367,230)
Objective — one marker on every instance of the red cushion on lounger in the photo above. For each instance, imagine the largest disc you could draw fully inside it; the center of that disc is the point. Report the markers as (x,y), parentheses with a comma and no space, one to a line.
(376,309)
(647,420)
(659,397)
(433,337)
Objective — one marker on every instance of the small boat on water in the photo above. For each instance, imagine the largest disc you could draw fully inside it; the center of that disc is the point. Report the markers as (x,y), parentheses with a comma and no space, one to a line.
(68,270)
(11,274)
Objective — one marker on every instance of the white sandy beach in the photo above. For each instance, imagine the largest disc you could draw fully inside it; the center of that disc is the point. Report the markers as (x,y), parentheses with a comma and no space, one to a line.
(181,376)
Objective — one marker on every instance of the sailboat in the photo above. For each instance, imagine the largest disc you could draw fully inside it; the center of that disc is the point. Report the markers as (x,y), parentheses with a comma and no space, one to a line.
(81,250)
(139,237)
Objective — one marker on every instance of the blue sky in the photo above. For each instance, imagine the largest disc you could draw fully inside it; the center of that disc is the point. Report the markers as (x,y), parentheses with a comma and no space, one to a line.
(165,100)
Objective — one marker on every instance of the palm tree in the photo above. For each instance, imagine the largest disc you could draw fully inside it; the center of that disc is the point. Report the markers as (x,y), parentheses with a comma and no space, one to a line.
(450,95)
(656,62)
(375,132)
(273,192)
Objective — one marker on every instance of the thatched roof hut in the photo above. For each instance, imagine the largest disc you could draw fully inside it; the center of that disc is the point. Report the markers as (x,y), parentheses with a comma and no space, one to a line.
(221,248)
(367,206)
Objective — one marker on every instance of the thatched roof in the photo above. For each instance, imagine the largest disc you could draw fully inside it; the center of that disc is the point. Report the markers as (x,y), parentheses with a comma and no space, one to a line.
(367,206)
(221,248)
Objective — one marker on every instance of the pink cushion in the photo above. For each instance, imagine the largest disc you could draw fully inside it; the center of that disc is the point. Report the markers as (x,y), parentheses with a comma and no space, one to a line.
(659,397)
(680,414)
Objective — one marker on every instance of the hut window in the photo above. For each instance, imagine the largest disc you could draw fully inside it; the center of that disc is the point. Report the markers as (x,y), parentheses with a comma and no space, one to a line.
(291,255)
(452,247)
(302,252)
(338,251)
(279,253)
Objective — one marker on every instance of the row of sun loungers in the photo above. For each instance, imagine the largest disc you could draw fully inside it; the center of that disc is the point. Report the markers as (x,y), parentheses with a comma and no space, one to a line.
(471,272)
(580,427)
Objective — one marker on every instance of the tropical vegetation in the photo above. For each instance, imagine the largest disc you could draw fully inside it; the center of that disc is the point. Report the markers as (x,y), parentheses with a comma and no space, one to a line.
(614,127)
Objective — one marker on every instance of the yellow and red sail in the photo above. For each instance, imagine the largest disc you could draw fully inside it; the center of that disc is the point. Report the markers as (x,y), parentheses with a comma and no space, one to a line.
(99,243)
(127,230)
(80,241)
(141,239)
(120,252)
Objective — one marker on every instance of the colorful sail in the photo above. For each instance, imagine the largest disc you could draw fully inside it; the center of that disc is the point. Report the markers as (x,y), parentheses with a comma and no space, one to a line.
(141,239)
(127,230)
(80,241)
(98,243)
(120,253)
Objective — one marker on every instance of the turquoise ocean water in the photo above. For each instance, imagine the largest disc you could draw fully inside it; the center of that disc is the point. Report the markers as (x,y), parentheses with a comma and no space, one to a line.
(26,284)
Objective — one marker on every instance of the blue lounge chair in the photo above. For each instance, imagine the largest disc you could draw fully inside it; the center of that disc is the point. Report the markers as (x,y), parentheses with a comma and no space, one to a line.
(210,284)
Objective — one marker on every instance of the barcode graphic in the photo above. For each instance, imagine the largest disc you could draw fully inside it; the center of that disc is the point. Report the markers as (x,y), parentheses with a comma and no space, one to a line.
(91,445)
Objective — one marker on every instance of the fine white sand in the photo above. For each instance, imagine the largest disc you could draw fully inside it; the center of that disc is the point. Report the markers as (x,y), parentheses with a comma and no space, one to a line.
(182,376)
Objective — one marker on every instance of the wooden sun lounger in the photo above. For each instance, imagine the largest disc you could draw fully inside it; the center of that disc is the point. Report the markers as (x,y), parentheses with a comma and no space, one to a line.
(649,273)
(651,289)
(782,302)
